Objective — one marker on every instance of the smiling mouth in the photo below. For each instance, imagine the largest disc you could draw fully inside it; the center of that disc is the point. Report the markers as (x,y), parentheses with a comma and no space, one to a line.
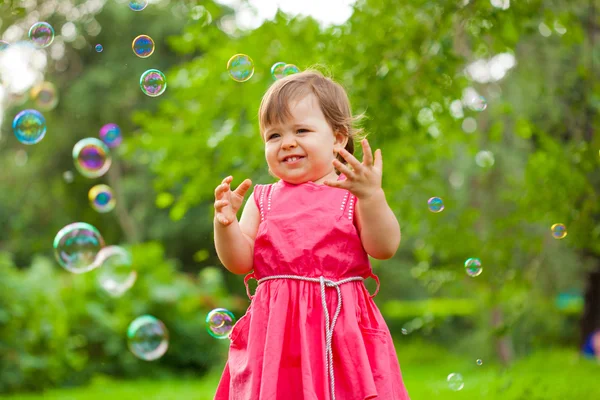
(292,159)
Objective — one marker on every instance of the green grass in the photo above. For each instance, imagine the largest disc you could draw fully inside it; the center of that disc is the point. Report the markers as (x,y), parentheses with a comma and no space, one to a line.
(546,375)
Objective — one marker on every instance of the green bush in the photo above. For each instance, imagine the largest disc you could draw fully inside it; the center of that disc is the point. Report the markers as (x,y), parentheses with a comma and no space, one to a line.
(60,329)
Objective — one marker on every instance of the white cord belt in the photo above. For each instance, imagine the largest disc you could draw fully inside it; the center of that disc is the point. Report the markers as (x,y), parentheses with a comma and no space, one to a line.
(328,329)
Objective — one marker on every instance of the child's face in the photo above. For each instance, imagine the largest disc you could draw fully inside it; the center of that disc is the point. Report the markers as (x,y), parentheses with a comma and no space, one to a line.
(307,133)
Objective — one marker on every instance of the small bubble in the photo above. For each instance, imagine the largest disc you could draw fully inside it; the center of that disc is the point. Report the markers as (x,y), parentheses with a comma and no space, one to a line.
(455,381)
(435,205)
(99,48)
(559,231)
(473,267)
(479,361)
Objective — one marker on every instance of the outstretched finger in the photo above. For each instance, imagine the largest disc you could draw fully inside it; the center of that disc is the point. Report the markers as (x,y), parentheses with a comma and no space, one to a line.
(367,154)
(243,187)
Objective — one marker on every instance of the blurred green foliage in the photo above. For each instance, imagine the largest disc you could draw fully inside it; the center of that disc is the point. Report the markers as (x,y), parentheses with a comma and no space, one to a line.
(403,64)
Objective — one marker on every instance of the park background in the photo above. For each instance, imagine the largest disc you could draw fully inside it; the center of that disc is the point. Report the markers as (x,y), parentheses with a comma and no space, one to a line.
(506,175)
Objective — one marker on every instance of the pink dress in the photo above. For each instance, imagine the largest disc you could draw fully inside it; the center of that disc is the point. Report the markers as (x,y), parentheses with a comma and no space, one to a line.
(279,348)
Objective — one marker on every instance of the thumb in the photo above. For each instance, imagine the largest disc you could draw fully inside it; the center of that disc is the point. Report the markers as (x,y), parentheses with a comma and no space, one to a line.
(243,188)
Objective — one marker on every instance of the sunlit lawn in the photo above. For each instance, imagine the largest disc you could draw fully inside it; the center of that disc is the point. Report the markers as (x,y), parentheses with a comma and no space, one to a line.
(548,375)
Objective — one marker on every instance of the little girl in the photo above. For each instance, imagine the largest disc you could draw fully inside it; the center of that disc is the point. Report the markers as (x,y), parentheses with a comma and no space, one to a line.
(312,330)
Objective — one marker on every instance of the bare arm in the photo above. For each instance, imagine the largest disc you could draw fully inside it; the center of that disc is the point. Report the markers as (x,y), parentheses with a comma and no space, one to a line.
(234,241)
(234,248)
(379,228)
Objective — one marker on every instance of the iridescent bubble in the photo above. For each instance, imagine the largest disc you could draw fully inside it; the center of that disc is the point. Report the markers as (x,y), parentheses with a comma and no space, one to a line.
(478,103)
(473,267)
(153,83)
(290,69)
(102,198)
(45,96)
(29,126)
(111,135)
(92,157)
(147,338)
(455,381)
(219,323)
(41,34)
(138,5)
(99,48)
(240,67)
(559,231)
(115,273)
(277,70)
(76,247)
(479,361)
(143,46)
(201,15)
(3,45)
(435,204)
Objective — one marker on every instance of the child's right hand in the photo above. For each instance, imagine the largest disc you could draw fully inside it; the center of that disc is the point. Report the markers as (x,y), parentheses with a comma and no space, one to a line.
(227,203)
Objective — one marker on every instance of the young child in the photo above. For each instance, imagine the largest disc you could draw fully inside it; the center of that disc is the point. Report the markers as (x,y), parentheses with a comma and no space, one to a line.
(312,330)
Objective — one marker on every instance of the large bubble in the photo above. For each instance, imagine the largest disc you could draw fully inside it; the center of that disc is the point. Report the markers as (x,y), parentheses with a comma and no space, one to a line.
(102,198)
(138,5)
(153,82)
(41,34)
(143,46)
(111,135)
(76,247)
(115,271)
(29,126)
(277,70)
(219,323)
(148,338)
(92,157)
(240,67)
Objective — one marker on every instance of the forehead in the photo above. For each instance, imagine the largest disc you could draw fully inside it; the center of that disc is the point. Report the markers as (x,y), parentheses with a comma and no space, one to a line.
(304,109)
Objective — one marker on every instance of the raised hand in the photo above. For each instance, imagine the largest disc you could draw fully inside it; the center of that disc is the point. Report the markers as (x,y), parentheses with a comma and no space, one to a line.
(363,180)
(227,203)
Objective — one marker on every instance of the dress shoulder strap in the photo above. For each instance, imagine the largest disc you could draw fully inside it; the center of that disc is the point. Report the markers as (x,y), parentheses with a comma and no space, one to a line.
(263,199)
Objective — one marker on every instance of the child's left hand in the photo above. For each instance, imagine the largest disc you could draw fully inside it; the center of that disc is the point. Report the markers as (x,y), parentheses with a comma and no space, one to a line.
(363,180)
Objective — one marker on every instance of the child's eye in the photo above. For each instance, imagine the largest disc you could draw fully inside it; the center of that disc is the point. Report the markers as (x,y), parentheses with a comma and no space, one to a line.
(302,130)
(270,136)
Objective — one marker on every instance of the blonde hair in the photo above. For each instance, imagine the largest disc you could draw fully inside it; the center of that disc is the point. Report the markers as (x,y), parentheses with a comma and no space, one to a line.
(332,97)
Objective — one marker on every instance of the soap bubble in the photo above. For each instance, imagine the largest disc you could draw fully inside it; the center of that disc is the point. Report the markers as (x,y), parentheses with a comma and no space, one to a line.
(99,48)
(290,69)
(76,247)
(102,198)
(473,267)
(559,231)
(138,5)
(41,34)
(219,323)
(479,361)
(147,338)
(29,126)
(201,15)
(153,82)
(45,96)
(455,381)
(277,70)
(111,135)
(477,103)
(115,273)
(92,157)
(435,204)
(143,46)
(240,67)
